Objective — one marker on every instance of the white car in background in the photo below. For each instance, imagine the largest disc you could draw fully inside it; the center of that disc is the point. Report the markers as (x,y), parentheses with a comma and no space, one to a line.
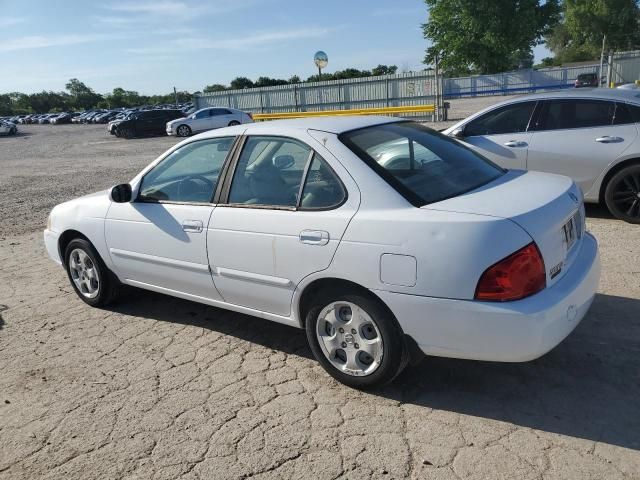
(207,119)
(8,128)
(590,135)
(310,223)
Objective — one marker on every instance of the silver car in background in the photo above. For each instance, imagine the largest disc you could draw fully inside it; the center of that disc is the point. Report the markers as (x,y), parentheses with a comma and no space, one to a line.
(207,119)
(590,135)
(8,128)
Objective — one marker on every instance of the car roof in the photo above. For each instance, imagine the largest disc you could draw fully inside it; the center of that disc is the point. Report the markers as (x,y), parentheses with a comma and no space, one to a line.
(597,93)
(583,93)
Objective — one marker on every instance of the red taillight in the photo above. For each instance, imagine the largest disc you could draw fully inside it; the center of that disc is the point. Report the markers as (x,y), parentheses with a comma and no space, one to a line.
(519,275)
(250,115)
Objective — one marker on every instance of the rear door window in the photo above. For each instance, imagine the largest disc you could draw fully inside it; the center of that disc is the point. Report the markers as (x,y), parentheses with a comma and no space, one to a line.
(575,113)
(508,119)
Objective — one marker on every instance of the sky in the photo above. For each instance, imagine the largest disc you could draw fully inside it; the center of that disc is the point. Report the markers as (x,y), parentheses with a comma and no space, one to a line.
(152,46)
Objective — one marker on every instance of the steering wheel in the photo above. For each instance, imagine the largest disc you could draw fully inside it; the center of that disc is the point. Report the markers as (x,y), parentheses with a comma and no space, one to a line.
(208,184)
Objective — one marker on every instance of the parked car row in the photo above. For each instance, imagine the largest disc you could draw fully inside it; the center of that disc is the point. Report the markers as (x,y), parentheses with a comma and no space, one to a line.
(132,124)
(96,115)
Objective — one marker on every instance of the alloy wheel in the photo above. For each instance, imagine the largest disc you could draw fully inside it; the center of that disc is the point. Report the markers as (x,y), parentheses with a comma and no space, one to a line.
(84,273)
(626,194)
(349,339)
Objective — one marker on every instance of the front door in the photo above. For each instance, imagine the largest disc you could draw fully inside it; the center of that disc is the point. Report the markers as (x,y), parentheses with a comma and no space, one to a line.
(159,239)
(501,135)
(579,138)
(286,213)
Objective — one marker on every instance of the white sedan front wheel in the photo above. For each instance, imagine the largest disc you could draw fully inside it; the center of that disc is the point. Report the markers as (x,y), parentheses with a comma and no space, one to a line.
(89,276)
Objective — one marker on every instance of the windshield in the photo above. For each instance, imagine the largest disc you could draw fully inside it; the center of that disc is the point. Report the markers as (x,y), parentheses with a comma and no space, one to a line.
(422,165)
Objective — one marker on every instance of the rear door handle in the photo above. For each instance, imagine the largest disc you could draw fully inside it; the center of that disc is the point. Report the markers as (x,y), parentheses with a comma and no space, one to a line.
(194,226)
(608,139)
(514,143)
(314,237)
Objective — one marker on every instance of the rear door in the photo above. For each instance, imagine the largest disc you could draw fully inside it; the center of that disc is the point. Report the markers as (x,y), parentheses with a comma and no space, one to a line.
(502,134)
(220,117)
(579,138)
(284,214)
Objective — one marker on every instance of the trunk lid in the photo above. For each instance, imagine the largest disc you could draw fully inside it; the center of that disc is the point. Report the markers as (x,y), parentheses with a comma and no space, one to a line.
(548,207)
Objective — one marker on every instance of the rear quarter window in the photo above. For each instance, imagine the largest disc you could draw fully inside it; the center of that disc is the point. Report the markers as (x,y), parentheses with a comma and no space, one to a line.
(424,166)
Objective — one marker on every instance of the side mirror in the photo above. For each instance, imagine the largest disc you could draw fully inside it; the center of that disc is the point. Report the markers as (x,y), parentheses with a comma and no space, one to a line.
(458,133)
(121,193)
(283,161)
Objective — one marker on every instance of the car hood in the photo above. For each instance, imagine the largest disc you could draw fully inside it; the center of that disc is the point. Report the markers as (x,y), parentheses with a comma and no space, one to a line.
(181,120)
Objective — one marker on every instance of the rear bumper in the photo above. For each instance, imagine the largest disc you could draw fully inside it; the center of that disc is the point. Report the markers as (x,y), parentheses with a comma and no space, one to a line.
(505,332)
(51,244)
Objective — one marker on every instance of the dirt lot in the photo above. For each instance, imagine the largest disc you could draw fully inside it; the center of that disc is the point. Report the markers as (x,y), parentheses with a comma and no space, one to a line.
(161,388)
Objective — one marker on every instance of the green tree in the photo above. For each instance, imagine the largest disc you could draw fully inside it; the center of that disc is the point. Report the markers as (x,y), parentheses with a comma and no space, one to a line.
(384,70)
(579,35)
(216,87)
(82,96)
(6,105)
(269,82)
(485,36)
(294,79)
(241,82)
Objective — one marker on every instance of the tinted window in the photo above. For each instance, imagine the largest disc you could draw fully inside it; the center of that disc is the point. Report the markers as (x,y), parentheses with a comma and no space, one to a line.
(322,188)
(562,114)
(508,119)
(269,172)
(219,111)
(622,115)
(423,165)
(203,114)
(627,113)
(189,174)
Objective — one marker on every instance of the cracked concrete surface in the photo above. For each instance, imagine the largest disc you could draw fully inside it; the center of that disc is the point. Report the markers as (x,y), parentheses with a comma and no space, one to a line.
(160,388)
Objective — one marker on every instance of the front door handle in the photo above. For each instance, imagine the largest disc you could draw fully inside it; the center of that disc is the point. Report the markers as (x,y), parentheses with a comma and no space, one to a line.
(515,144)
(608,139)
(194,226)
(314,237)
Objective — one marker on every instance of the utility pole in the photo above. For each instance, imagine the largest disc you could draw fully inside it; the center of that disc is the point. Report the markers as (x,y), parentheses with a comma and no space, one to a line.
(604,38)
(175,95)
(610,69)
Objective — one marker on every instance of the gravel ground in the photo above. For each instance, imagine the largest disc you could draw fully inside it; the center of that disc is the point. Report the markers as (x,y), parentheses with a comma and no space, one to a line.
(157,387)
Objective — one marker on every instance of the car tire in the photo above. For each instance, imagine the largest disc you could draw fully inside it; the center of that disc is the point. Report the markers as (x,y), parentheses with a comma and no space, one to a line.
(126,133)
(233,123)
(377,349)
(92,281)
(13,131)
(622,194)
(183,131)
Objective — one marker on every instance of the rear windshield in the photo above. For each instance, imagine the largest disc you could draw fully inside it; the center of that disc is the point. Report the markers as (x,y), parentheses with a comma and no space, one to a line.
(422,165)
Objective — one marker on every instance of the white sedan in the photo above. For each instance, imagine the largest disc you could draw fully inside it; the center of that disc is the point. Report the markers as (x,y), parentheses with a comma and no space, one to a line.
(380,237)
(207,119)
